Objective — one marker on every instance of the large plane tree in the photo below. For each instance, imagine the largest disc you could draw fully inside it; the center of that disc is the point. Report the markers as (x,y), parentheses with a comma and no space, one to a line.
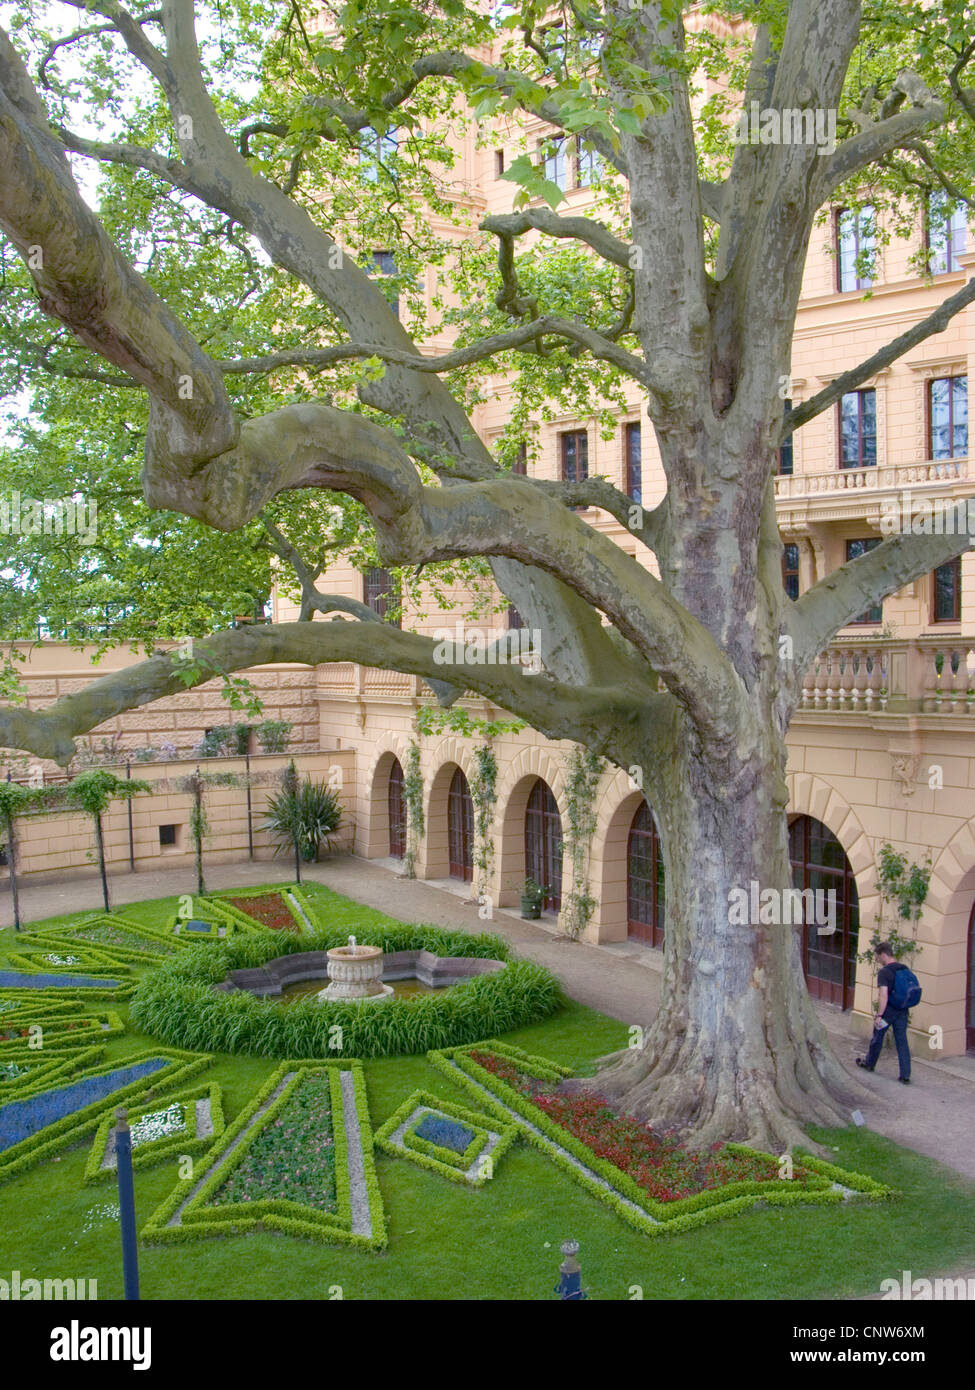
(225,142)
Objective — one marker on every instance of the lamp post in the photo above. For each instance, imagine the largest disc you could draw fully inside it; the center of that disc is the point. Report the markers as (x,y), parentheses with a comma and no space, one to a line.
(569,1286)
(126,1202)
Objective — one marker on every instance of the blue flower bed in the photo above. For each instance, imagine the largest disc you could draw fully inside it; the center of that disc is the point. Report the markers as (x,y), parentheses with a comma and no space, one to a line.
(10,979)
(447,1134)
(197,926)
(22,1118)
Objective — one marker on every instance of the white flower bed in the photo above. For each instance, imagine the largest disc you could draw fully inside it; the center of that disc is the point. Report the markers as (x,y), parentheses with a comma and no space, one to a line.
(62,960)
(158,1125)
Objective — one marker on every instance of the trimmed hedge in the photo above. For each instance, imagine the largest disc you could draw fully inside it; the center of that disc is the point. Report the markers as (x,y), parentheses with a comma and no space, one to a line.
(40,1073)
(57,1032)
(443,1161)
(154,1150)
(69,960)
(198,1219)
(176,1002)
(623,1194)
(177,1067)
(157,941)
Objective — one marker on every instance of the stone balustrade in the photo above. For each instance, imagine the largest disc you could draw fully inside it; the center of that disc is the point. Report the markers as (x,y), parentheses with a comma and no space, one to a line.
(929,675)
(879,478)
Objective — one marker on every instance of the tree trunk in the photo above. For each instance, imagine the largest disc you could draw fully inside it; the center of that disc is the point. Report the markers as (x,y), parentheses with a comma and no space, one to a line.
(737,1050)
(100,847)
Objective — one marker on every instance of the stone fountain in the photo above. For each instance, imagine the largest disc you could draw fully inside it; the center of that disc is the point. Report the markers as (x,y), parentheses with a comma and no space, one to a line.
(355,975)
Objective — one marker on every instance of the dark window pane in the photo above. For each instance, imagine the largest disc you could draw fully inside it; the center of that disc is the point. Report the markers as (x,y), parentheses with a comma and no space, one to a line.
(634,462)
(858,429)
(575,456)
(854,549)
(790,570)
(380,592)
(947,592)
(785,448)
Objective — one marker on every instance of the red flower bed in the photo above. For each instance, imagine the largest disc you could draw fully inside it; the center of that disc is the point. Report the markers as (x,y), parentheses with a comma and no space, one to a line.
(656,1162)
(269,909)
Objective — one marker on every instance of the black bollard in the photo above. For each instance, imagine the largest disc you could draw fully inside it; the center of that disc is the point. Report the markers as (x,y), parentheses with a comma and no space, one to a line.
(570,1274)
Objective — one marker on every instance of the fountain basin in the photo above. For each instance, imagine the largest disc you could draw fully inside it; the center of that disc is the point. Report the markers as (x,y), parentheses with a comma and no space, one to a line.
(438,972)
(355,975)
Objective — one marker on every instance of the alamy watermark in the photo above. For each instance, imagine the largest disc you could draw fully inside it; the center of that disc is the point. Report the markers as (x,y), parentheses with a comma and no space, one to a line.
(475,647)
(766,125)
(755,906)
(960,1289)
(926,516)
(17,1289)
(48,516)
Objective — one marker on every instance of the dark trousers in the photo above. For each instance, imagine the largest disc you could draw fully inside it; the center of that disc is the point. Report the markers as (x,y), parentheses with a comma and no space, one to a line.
(897,1019)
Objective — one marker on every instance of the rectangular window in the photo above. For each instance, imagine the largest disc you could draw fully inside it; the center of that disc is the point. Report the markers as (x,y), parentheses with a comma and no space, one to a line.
(381,594)
(948,417)
(790,570)
(855,243)
(520,461)
(167,836)
(574,454)
(946,232)
(946,605)
(498,163)
(551,154)
(785,448)
(589,167)
(383,263)
(858,429)
(376,149)
(854,549)
(634,461)
(515,621)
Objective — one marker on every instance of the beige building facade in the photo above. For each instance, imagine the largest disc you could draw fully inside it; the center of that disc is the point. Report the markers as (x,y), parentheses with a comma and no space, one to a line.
(882,750)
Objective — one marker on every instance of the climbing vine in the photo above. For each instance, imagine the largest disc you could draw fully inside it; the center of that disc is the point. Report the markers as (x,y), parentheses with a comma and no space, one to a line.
(903,888)
(413,796)
(484,793)
(584,769)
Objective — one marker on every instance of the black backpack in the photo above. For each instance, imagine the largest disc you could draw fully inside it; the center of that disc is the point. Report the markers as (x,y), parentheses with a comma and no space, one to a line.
(905,992)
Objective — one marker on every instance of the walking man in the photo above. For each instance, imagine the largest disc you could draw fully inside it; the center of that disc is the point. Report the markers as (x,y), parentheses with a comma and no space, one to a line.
(889,1015)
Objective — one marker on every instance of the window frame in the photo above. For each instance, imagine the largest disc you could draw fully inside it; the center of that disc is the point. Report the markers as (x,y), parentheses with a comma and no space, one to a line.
(954,565)
(564,437)
(932,382)
(860,246)
(864,619)
(860,393)
(631,428)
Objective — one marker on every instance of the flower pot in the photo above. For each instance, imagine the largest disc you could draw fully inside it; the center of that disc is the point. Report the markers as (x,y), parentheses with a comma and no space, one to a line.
(531,909)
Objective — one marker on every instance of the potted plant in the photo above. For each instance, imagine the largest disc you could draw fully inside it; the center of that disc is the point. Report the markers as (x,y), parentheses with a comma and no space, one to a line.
(533,896)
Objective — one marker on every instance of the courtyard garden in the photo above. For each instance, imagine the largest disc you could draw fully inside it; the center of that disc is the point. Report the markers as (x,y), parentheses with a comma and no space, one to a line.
(437,1145)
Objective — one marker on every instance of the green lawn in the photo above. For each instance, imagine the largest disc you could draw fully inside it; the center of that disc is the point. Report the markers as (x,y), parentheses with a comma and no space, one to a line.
(502,1241)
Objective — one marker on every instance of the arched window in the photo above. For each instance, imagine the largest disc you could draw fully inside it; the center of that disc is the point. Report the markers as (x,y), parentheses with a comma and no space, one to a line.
(460,828)
(397,812)
(828,958)
(645,894)
(543,842)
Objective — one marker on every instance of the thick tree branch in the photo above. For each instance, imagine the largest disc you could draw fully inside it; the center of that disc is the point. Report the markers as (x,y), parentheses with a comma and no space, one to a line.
(881,137)
(594,234)
(837,599)
(546,326)
(934,323)
(559,711)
